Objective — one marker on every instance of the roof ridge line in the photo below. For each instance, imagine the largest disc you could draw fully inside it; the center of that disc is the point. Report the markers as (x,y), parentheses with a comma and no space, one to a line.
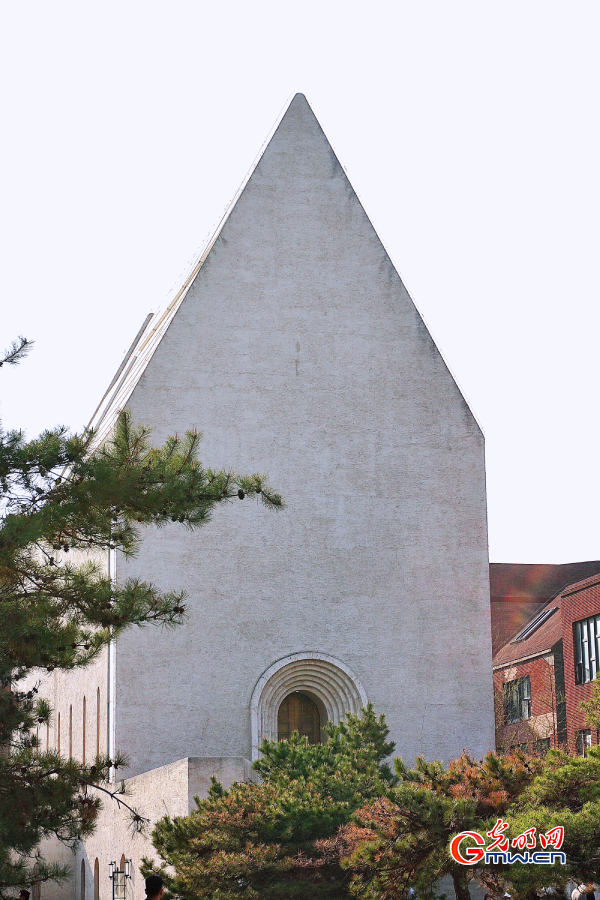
(165,316)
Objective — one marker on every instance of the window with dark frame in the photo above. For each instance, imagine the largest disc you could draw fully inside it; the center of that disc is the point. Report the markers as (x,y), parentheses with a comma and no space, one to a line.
(586,648)
(534,625)
(583,741)
(517,700)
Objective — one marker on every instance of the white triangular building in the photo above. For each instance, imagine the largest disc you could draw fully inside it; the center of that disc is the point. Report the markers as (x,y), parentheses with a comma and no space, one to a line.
(296,349)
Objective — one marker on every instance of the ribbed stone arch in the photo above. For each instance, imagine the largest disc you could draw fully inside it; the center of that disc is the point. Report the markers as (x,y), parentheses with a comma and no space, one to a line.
(335,687)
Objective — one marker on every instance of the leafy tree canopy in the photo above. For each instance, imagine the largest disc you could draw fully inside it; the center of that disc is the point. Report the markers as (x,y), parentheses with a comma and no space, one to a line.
(331,821)
(269,840)
(405,836)
(566,793)
(409,832)
(64,504)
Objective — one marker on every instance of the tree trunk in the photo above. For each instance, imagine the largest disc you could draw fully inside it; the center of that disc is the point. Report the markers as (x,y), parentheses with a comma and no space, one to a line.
(461,885)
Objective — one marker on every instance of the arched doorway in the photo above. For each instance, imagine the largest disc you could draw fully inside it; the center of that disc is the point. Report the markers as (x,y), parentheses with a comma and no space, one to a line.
(327,681)
(298,712)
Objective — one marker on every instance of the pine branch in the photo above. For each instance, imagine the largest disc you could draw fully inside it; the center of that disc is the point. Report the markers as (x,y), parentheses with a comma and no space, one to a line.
(56,613)
(138,821)
(19,350)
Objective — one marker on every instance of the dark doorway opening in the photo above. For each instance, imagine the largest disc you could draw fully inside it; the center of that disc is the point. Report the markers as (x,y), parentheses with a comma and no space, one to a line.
(299,713)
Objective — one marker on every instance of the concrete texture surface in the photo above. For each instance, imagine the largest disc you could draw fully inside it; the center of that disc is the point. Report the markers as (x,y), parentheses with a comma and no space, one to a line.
(168,790)
(298,352)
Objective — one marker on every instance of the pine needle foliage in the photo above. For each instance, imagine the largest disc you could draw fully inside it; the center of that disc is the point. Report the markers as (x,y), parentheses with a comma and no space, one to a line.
(566,793)
(405,837)
(63,505)
(305,833)
(269,840)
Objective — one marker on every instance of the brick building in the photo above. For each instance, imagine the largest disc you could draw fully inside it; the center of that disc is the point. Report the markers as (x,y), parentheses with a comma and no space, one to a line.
(546,670)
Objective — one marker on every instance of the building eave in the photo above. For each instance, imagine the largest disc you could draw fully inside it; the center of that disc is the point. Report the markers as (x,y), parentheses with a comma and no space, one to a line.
(521,659)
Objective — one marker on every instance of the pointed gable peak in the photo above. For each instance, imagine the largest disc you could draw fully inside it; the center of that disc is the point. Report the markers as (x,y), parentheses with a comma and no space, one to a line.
(297,153)
(295,208)
(299,106)
(299,117)
(300,111)
(297,102)
(292,145)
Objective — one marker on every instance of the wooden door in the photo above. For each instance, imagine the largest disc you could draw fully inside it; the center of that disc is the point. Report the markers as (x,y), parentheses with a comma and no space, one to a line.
(299,713)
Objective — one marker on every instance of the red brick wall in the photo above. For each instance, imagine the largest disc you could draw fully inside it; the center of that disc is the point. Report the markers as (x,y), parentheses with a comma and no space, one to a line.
(541,676)
(575,606)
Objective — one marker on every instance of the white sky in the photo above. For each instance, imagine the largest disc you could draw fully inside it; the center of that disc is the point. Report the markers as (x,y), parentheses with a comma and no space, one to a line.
(470,131)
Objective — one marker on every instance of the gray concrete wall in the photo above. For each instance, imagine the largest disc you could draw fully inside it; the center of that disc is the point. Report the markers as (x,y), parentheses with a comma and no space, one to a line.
(66,691)
(299,353)
(154,794)
(225,770)
(169,790)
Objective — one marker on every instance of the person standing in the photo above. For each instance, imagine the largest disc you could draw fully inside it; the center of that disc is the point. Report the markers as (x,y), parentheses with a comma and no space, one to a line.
(584,892)
(154,887)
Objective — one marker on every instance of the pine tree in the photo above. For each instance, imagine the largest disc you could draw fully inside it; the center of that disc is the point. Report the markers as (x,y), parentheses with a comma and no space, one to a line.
(64,505)
(405,837)
(272,840)
(566,793)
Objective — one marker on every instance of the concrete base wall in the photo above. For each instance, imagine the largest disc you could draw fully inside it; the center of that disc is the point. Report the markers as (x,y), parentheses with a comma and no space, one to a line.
(168,790)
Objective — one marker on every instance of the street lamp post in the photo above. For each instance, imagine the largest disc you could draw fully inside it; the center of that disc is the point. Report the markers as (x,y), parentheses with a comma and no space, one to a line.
(119,878)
